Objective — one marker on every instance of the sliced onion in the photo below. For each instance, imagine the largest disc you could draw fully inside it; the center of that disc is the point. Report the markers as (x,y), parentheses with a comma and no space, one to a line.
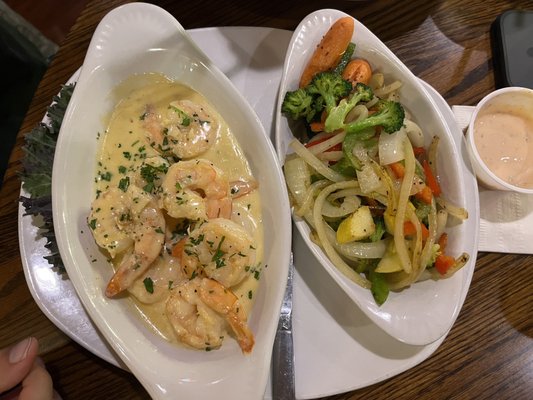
(376,81)
(356,250)
(391,148)
(315,163)
(327,143)
(456,211)
(364,153)
(307,203)
(328,245)
(330,155)
(442,220)
(348,206)
(368,179)
(357,113)
(298,178)
(403,199)
(345,193)
(384,90)
(414,133)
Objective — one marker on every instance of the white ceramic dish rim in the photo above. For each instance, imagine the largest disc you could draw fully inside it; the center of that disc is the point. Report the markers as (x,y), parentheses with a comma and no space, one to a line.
(433,317)
(487,176)
(154,361)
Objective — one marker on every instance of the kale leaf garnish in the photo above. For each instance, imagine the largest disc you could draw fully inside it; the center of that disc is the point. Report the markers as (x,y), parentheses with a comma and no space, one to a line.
(36,175)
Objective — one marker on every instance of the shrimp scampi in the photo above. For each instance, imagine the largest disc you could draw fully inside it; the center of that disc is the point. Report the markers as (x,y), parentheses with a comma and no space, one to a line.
(178,215)
(196,190)
(219,249)
(198,311)
(132,217)
(153,286)
(185,129)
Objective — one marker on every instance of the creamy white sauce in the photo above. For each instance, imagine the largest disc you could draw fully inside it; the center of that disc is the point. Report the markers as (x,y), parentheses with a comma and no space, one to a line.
(124,147)
(504,140)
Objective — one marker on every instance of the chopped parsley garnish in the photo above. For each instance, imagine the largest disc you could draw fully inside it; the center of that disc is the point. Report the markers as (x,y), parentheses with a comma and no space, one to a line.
(198,240)
(149,187)
(150,173)
(92,224)
(217,257)
(122,169)
(148,284)
(185,118)
(124,184)
(107,176)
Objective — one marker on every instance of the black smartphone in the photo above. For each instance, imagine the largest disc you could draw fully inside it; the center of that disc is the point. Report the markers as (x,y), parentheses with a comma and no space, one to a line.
(512,39)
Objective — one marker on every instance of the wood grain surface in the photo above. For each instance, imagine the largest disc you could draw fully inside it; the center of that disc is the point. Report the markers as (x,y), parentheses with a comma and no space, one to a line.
(489,351)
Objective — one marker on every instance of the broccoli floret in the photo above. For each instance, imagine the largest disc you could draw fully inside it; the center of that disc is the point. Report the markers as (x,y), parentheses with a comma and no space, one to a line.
(435,252)
(298,104)
(389,115)
(330,87)
(337,115)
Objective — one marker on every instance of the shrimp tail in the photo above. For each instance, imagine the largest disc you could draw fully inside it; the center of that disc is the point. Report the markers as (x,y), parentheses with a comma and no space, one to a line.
(113,288)
(245,337)
(129,270)
(219,208)
(224,301)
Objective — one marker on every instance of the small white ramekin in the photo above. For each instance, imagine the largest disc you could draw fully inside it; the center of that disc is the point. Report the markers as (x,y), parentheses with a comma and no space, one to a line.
(506,97)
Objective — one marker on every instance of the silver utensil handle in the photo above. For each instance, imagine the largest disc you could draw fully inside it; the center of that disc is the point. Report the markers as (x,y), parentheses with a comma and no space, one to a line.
(283,373)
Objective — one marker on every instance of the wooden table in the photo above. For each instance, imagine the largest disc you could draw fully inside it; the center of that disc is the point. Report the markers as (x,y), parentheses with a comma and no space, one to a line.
(488,353)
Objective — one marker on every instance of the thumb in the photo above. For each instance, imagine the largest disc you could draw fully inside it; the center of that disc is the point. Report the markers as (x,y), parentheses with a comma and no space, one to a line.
(16,362)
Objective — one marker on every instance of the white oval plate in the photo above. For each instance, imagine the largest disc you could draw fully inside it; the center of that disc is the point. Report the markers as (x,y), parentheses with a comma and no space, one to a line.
(139,38)
(424,312)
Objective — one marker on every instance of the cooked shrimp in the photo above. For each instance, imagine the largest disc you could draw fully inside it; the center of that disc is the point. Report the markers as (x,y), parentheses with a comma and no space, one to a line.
(108,219)
(198,310)
(155,284)
(128,217)
(150,174)
(185,129)
(241,188)
(219,249)
(196,190)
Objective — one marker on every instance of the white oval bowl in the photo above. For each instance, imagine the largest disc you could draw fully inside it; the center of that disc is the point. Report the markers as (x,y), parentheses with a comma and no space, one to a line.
(139,38)
(425,311)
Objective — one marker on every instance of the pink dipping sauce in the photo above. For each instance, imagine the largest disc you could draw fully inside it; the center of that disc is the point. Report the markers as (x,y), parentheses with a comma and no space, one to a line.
(504,141)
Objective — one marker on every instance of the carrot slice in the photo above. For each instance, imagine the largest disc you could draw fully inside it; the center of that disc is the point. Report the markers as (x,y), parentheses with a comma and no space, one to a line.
(337,147)
(431,179)
(358,70)
(398,169)
(443,242)
(330,49)
(317,126)
(425,195)
(419,151)
(443,263)
(409,230)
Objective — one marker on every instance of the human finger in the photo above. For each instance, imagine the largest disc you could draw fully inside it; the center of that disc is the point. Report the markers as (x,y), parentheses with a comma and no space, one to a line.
(16,362)
(37,385)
